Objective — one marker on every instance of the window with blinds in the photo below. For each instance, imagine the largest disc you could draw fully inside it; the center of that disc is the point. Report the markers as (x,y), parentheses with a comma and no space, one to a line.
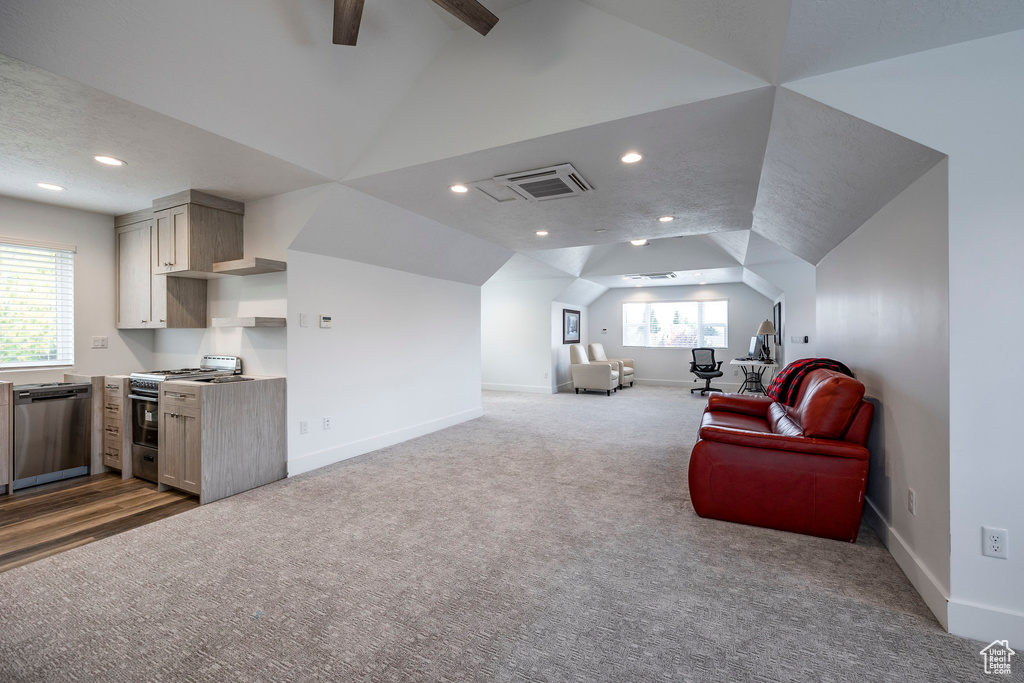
(676,324)
(37,306)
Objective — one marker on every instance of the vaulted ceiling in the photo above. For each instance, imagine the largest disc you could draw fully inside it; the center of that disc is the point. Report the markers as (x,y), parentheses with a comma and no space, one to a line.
(249,98)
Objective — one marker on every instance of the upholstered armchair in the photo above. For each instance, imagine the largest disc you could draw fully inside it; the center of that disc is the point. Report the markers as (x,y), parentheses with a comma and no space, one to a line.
(596,376)
(596,353)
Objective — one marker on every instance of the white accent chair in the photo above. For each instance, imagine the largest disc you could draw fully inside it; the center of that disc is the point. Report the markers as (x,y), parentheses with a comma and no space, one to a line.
(596,353)
(594,376)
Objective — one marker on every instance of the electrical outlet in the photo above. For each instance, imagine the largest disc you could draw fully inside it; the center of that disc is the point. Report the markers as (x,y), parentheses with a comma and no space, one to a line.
(303,427)
(735,373)
(545,375)
(327,423)
(911,502)
(99,342)
(303,319)
(995,542)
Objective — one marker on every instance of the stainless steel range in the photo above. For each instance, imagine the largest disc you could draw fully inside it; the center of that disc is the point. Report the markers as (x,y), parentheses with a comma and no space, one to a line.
(145,389)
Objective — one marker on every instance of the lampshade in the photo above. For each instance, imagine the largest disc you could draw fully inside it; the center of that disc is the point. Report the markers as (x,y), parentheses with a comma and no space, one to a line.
(766,328)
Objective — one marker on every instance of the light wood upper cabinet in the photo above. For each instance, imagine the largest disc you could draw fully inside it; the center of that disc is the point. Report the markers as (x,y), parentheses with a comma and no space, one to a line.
(145,299)
(134,281)
(194,230)
(171,247)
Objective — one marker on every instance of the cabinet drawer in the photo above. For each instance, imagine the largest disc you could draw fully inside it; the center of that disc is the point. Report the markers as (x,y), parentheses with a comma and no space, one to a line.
(112,401)
(111,427)
(180,397)
(112,388)
(112,457)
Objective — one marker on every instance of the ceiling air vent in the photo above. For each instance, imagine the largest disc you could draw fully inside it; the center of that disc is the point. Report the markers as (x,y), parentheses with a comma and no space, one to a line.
(542,184)
(652,276)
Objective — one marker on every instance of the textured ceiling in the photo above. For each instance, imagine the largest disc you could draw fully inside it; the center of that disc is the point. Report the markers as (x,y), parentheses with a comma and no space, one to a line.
(744,34)
(51,127)
(829,35)
(826,172)
(702,163)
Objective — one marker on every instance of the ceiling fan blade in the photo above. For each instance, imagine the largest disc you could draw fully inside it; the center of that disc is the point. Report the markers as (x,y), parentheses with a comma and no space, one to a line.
(347,15)
(471,13)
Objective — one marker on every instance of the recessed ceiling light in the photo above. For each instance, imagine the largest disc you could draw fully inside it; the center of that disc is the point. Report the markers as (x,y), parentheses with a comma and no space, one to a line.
(631,158)
(667,219)
(601,230)
(638,243)
(542,233)
(109,161)
(637,285)
(459,188)
(50,186)
(703,283)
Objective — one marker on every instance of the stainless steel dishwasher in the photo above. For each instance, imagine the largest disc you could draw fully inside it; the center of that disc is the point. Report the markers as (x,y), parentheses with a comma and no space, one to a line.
(52,432)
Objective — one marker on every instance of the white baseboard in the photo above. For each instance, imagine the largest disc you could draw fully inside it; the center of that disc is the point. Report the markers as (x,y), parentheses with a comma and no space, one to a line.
(523,388)
(986,623)
(687,383)
(921,578)
(329,456)
(565,386)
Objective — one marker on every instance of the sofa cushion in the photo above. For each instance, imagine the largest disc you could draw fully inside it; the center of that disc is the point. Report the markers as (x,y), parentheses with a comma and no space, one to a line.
(828,401)
(734,421)
(781,423)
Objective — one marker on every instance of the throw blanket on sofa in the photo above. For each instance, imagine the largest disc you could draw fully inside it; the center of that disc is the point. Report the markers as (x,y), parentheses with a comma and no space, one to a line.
(786,385)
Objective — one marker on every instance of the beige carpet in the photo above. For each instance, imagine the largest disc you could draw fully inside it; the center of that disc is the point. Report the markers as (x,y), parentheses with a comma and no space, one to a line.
(550,540)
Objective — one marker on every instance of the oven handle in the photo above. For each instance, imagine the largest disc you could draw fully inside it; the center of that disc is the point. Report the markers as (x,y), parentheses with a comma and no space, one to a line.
(150,399)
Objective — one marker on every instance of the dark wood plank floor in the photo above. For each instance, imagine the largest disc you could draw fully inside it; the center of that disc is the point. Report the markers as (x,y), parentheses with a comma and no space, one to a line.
(48,519)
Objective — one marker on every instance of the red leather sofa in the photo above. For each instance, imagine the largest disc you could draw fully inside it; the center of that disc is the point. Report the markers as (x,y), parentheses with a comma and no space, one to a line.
(800,468)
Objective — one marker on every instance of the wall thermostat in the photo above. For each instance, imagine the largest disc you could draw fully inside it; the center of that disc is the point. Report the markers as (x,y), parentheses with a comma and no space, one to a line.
(325,321)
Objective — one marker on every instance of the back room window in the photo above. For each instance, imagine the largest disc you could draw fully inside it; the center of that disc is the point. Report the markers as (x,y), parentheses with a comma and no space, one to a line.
(676,324)
(37,305)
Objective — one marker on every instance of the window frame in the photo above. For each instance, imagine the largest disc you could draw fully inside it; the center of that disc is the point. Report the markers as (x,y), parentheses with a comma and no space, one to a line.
(699,324)
(16,255)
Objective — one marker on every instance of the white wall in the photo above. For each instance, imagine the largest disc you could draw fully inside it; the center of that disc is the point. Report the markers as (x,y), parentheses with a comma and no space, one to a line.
(747,309)
(402,359)
(517,332)
(967,100)
(796,280)
(95,300)
(883,309)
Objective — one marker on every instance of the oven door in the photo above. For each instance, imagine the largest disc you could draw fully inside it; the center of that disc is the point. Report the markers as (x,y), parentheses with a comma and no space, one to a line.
(145,418)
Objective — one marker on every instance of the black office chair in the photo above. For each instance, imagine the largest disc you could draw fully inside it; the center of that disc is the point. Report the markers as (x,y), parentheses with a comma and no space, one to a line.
(705,367)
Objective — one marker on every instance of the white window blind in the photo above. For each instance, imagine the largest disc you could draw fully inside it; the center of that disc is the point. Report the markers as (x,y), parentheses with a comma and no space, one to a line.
(676,324)
(37,306)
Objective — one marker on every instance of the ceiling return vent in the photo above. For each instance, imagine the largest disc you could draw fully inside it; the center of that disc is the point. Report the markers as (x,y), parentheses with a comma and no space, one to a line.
(652,276)
(538,185)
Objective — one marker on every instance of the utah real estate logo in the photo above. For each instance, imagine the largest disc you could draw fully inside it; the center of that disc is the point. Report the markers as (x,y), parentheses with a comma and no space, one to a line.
(997,657)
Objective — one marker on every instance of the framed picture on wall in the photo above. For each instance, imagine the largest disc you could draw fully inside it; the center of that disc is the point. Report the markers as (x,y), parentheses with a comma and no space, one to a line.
(777,320)
(570,326)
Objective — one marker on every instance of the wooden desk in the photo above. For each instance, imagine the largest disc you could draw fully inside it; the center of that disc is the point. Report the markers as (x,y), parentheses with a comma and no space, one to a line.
(753,374)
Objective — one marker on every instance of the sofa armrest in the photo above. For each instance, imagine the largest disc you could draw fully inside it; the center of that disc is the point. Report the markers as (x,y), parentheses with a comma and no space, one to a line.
(755,406)
(593,373)
(794,444)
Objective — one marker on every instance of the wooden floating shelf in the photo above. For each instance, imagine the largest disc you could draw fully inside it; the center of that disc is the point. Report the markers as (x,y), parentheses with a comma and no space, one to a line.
(249,266)
(253,321)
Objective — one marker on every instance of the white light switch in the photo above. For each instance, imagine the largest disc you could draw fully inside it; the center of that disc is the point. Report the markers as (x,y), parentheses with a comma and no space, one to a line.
(325,321)
(303,319)
(99,342)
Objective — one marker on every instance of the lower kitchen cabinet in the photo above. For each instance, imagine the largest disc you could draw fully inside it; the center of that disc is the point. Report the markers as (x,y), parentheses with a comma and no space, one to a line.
(6,433)
(180,448)
(217,440)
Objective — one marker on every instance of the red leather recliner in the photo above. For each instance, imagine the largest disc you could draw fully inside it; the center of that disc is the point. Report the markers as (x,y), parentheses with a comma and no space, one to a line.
(802,468)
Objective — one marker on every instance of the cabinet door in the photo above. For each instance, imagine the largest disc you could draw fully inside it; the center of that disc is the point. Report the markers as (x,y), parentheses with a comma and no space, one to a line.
(172,240)
(134,296)
(180,449)
(158,286)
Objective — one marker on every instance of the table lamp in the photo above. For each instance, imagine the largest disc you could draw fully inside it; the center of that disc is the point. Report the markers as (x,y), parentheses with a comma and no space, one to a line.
(766,330)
